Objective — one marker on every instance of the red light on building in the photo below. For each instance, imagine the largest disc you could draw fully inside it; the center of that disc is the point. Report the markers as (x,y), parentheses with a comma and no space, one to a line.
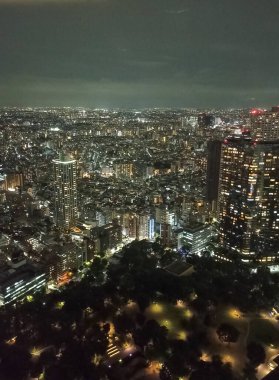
(256,111)
(65,278)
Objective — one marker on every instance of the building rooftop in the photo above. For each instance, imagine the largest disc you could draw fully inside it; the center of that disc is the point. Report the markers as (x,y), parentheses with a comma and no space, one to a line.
(9,276)
(195,227)
(64,159)
(178,268)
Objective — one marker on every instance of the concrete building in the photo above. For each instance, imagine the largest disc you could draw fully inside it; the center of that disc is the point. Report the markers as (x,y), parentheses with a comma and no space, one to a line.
(11,181)
(213,171)
(65,182)
(18,279)
(107,237)
(249,198)
(265,124)
(194,239)
(124,170)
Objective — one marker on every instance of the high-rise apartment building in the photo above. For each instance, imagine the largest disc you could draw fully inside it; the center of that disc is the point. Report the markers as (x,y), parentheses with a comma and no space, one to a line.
(213,172)
(65,182)
(249,197)
(11,181)
(265,124)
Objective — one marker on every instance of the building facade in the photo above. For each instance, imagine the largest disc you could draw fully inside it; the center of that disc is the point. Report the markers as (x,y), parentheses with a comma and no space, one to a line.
(248,198)
(18,280)
(213,172)
(265,124)
(194,239)
(124,169)
(65,182)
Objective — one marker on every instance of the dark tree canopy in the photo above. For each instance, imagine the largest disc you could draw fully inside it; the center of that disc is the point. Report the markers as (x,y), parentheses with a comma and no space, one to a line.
(227,333)
(214,370)
(256,353)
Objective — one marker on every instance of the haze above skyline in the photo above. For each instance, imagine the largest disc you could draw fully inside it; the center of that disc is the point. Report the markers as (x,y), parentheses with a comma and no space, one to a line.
(139,53)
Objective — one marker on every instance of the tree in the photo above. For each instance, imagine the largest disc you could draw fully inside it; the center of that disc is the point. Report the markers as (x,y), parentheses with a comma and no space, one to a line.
(214,370)
(36,369)
(56,372)
(140,337)
(106,328)
(47,358)
(200,305)
(227,333)
(187,353)
(155,332)
(177,365)
(143,302)
(208,320)
(15,362)
(256,353)
(140,319)
(124,323)
(249,372)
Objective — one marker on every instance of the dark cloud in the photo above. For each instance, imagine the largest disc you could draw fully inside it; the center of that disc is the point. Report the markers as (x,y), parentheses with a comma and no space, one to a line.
(139,53)
(36,2)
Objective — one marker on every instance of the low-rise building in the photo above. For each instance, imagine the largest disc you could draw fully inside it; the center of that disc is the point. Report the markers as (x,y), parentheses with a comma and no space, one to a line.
(179,268)
(194,239)
(19,279)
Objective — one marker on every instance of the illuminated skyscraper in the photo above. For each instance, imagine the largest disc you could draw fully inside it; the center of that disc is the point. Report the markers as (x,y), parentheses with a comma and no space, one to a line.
(65,173)
(249,198)
(213,171)
(265,124)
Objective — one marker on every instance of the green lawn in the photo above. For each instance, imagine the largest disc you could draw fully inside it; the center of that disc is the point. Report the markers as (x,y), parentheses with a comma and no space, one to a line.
(170,316)
(263,331)
(232,316)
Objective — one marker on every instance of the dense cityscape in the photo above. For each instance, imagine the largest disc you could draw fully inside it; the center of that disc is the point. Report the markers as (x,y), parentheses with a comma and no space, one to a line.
(139,190)
(139,244)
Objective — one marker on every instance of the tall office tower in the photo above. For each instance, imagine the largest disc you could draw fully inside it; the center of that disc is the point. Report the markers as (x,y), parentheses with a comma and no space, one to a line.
(249,198)
(65,173)
(265,124)
(213,170)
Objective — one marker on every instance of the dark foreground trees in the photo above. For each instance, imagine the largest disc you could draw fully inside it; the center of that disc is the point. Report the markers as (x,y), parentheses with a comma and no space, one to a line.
(15,362)
(74,320)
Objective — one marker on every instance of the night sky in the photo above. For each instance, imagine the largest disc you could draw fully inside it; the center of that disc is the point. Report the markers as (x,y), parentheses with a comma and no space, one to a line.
(139,53)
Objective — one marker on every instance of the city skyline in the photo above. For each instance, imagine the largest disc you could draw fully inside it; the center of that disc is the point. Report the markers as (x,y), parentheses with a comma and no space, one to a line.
(153,232)
(138,54)
(139,190)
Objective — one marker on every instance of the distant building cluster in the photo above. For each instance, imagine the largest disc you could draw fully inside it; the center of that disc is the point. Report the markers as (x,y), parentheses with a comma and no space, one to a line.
(76,183)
